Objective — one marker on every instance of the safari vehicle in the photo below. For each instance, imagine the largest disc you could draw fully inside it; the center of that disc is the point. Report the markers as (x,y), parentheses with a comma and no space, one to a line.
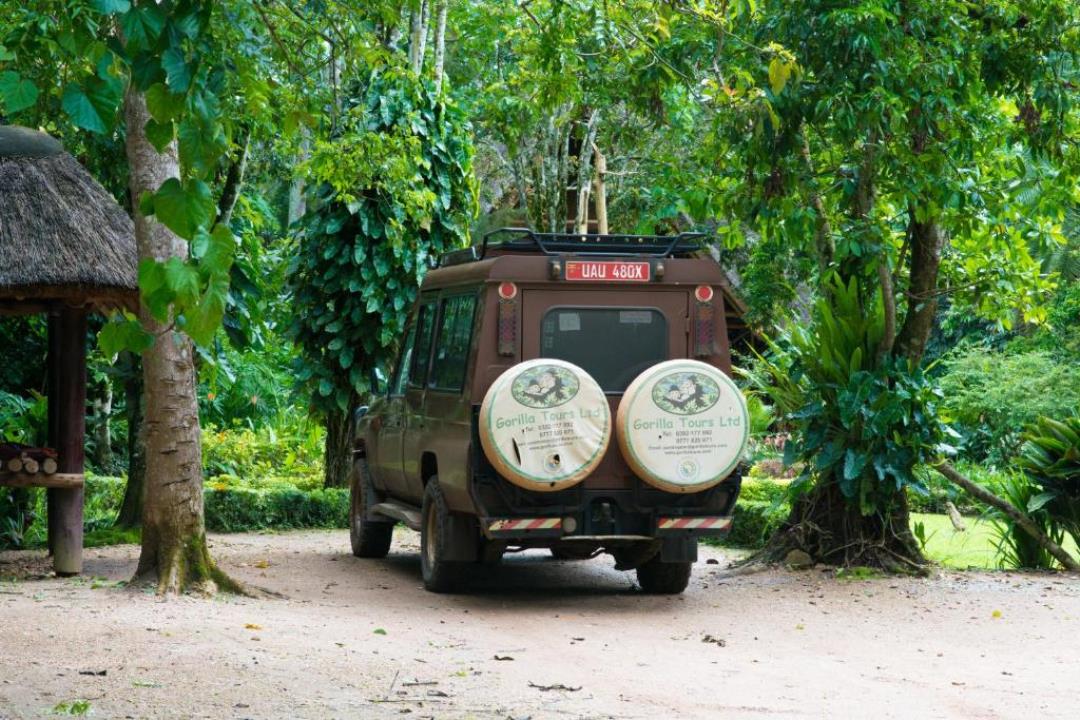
(595,312)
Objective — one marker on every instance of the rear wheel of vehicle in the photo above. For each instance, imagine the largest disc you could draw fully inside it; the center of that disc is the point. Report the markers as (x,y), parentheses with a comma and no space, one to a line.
(661,578)
(369,539)
(440,575)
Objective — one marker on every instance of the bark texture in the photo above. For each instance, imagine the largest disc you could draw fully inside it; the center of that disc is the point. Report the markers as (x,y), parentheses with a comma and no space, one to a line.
(927,241)
(174,549)
(440,43)
(338,454)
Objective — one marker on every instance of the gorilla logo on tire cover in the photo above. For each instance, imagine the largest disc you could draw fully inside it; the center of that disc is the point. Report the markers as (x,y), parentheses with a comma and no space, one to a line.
(685,393)
(545,386)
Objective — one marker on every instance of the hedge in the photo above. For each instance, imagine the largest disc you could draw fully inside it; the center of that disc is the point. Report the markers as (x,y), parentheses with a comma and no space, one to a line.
(280,508)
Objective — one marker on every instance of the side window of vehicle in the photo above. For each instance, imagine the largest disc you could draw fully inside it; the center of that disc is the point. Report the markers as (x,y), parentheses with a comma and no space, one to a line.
(452,347)
(425,323)
(401,373)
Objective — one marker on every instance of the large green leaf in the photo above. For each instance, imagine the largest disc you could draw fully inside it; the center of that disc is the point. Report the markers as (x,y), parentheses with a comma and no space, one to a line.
(16,93)
(112,7)
(124,333)
(92,105)
(177,70)
(183,208)
(163,104)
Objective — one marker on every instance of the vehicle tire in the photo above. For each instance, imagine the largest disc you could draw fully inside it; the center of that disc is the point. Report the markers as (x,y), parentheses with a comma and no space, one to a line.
(572,553)
(661,578)
(369,539)
(440,575)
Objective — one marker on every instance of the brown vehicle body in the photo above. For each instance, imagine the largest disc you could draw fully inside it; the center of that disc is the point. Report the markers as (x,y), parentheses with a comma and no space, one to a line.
(420,431)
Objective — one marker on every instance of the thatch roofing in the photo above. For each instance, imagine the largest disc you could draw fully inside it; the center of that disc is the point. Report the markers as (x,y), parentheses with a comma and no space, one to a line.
(62,236)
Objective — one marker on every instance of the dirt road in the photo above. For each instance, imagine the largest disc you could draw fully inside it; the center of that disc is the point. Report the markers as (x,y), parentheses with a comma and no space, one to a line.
(537,638)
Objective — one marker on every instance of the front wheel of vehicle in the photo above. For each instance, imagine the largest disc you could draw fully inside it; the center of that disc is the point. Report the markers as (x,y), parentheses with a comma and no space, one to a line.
(661,578)
(369,539)
(440,575)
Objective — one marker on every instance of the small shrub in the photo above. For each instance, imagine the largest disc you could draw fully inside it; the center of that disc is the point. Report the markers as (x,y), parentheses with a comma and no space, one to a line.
(291,449)
(754,522)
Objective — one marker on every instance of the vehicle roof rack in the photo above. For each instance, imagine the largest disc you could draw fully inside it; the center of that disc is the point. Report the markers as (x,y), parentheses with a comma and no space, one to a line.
(592,244)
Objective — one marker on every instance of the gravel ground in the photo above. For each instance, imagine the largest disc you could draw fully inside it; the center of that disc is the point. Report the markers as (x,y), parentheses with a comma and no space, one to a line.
(533,638)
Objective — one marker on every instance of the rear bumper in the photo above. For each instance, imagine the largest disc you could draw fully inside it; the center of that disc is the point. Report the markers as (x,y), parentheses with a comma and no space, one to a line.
(569,528)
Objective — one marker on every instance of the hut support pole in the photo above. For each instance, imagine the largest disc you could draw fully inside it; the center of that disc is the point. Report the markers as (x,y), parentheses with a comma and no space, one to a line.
(52,392)
(67,419)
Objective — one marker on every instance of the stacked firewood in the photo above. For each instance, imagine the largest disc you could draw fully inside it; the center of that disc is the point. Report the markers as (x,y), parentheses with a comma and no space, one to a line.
(15,458)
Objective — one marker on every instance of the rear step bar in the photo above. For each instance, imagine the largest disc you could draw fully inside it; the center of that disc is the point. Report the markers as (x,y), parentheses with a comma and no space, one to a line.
(400,512)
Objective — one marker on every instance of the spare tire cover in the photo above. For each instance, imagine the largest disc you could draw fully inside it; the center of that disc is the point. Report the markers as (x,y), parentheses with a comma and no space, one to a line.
(545,424)
(682,426)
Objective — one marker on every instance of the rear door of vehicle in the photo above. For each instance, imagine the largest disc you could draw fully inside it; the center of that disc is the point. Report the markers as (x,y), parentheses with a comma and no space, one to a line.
(406,397)
(614,333)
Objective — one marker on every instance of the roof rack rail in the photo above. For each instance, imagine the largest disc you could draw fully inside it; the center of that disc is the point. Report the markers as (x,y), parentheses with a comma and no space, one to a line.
(659,246)
(526,240)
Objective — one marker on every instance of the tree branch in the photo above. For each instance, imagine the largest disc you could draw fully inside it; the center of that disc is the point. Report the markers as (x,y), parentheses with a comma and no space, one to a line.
(1018,517)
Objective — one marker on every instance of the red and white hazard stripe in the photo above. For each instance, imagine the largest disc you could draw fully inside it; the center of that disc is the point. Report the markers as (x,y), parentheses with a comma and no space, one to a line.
(525,524)
(693,523)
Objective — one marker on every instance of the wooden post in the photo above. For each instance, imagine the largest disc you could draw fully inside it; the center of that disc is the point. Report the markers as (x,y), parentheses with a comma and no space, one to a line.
(52,392)
(67,415)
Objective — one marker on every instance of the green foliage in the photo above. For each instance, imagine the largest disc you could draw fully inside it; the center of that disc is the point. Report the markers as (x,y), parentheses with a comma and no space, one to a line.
(863,421)
(280,508)
(391,193)
(991,396)
(754,522)
(289,452)
(1015,547)
(73,60)
(102,499)
(1050,460)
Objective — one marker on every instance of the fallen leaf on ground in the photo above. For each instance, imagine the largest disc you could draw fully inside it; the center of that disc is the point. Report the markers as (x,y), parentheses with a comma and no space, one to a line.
(379,631)
(252,626)
(556,686)
(503,657)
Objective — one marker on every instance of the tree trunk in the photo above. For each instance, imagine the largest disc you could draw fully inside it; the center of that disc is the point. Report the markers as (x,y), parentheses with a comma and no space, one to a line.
(600,192)
(234,178)
(418,30)
(102,413)
(174,549)
(927,241)
(440,43)
(131,509)
(338,455)
(297,204)
(584,176)
(826,248)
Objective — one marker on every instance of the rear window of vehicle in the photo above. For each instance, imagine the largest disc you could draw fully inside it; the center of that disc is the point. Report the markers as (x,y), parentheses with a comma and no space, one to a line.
(452,347)
(613,344)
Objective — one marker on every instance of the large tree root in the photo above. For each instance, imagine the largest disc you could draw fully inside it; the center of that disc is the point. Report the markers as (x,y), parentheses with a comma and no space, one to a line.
(827,527)
(181,567)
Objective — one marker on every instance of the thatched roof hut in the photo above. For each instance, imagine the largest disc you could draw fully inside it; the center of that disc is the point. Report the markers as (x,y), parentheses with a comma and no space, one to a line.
(62,236)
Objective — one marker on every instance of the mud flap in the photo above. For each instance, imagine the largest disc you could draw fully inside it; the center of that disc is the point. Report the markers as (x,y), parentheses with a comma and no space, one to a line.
(464,544)
(682,549)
